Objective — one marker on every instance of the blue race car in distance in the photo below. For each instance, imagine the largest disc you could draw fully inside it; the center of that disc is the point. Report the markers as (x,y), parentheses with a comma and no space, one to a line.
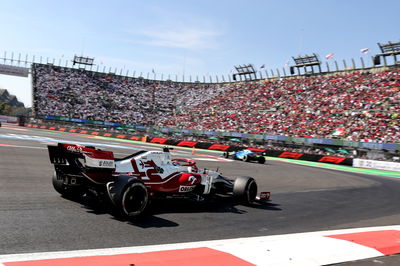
(246,156)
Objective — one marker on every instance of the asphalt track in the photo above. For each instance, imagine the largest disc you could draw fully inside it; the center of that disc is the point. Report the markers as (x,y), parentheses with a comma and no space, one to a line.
(34,218)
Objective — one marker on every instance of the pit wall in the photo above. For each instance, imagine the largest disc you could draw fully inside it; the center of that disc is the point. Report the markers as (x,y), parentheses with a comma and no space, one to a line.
(202,145)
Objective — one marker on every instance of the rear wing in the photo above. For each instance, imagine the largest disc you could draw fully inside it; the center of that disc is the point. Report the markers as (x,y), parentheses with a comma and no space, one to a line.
(67,154)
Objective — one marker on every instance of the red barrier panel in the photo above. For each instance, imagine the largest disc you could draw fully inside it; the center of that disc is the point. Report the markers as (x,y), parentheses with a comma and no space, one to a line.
(331,159)
(83,132)
(43,127)
(292,155)
(186,143)
(107,135)
(29,125)
(52,128)
(158,140)
(61,129)
(35,126)
(254,149)
(72,130)
(95,133)
(220,147)
(134,138)
(120,136)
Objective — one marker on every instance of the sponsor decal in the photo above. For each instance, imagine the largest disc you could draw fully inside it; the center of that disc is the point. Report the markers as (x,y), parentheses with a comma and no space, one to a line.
(151,170)
(159,170)
(292,155)
(74,148)
(184,189)
(158,140)
(265,195)
(219,147)
(331,159)
(189,144)
(106,163)
(192,179)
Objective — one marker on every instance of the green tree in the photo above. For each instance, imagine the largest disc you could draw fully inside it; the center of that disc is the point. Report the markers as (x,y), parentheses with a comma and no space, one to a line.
(5,108)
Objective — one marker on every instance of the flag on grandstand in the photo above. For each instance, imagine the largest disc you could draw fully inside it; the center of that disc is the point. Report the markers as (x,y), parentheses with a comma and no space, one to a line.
(339,131)
(152,71)
(263,66)
(364,51)
(329,56)
(287,63)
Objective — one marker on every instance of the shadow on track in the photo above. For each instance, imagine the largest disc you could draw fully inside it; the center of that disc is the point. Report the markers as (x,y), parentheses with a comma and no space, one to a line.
(150,218)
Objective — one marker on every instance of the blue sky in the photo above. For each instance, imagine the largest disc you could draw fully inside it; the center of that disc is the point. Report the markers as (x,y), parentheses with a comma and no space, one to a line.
(192,37)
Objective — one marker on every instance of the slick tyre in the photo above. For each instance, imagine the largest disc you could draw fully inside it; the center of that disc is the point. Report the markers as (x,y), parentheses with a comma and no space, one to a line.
(226,154)
(57,183)
(246,158)
(61,188)
(245,190)
(134,199)
(261,160)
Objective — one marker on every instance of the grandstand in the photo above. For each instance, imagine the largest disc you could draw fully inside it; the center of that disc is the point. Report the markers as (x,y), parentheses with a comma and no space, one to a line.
(338,107)
(355,105)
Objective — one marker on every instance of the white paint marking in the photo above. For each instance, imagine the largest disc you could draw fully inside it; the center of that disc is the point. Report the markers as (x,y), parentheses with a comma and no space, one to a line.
(294,249)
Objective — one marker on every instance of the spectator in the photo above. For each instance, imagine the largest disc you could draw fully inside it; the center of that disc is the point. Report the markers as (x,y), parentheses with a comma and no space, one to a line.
(353,106)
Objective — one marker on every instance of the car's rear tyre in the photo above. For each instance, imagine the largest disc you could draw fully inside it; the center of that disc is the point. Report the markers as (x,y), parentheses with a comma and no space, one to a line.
(261,160)
(135,199)
(245,189)
(64,190)
(226,154)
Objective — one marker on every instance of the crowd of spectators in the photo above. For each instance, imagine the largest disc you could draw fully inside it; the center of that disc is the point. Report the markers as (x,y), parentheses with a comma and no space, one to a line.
(354,106)
(79,94)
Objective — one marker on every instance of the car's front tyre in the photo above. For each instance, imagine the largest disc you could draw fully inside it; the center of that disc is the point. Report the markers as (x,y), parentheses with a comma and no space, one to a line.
(245,189)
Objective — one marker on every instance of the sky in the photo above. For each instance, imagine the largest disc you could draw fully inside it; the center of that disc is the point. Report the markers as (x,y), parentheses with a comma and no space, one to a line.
(191,38)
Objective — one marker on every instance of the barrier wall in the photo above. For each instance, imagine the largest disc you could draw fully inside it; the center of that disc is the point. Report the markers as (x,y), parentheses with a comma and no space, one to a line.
(8,119)
(373,164)
(204,145)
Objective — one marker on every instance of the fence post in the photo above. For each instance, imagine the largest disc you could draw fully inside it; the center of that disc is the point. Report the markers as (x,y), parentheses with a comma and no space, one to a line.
(362,63)
(354,63)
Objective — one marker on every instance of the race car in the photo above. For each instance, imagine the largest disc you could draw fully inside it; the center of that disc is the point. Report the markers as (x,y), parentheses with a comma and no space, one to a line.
(130,183)
(246,155)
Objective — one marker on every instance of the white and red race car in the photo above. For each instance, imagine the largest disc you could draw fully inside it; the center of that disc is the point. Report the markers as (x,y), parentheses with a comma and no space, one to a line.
(131,182)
